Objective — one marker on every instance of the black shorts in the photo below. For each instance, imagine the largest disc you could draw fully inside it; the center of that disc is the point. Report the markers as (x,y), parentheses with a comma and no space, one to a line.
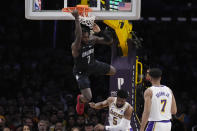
(97,68)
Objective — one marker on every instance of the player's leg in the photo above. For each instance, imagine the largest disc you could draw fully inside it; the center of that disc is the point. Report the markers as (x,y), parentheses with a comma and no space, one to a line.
(86,94)
(84,97)
(100,68)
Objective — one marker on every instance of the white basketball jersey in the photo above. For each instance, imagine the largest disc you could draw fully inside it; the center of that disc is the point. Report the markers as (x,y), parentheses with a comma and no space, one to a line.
(161,103)
(116,114)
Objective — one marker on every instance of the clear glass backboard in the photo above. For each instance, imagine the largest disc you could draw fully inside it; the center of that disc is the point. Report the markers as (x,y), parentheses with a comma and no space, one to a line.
(102,9)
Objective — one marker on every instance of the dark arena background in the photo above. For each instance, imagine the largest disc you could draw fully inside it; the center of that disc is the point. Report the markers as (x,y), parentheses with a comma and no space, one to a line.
(36,80)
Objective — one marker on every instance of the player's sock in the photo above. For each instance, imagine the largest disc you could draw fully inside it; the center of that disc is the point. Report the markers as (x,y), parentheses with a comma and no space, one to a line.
(80,106)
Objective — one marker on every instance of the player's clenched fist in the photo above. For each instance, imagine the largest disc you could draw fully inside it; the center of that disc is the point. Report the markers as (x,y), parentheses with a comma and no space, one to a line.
(75,14)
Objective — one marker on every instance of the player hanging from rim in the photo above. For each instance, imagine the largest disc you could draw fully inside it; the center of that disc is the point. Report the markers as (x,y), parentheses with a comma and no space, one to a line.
(120,112)
(84,62)
(159,104)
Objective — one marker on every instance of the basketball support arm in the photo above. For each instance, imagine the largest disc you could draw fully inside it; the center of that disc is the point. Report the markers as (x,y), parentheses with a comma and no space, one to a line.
(123,31)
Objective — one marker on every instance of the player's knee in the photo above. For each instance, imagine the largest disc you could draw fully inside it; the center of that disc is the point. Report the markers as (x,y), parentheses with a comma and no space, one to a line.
(88,97)
(87,94)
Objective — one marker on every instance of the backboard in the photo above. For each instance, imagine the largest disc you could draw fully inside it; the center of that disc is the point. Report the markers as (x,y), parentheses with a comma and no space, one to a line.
(102,9)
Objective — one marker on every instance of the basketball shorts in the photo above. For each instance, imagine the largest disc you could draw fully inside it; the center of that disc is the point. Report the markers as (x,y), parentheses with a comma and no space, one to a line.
(97,68)
(159,125)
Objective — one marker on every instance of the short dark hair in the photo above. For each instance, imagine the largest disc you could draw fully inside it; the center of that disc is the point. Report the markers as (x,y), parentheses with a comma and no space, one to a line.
(122,94)
(155,73)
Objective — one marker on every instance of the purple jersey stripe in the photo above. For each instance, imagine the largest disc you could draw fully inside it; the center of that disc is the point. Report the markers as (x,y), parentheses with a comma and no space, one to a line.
(163,121)
(150,126)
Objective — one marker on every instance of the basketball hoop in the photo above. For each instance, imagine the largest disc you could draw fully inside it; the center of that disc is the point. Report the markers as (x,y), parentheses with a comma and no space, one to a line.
(84,17)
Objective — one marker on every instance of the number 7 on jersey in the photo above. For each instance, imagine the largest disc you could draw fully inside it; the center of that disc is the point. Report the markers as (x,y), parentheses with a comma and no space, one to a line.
(163,101)
(88,57)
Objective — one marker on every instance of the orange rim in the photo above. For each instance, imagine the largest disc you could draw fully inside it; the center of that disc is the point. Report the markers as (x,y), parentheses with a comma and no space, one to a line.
(82,9)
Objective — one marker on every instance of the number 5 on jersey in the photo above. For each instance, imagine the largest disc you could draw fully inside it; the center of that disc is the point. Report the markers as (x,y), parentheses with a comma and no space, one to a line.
(163,101)
(115,120)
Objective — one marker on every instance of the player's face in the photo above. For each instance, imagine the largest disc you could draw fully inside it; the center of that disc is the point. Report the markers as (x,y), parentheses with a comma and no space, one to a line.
(120,102)
(85,37)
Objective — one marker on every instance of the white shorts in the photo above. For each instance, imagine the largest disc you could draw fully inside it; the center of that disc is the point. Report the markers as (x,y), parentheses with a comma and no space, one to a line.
(159,125)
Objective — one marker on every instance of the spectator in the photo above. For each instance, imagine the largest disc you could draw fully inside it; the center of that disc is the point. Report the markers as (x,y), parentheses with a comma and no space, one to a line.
(80,121)
(29,123)
(2,122)
(16,119)
(89,126)
(6,129)
(94,119)
(61,117)
(26,128)
(75,129)
(70,122)
(19,128)
(59,126)
(42,125)
(53,121)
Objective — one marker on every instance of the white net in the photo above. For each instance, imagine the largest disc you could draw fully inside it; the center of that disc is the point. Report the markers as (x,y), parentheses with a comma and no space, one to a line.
(87,20)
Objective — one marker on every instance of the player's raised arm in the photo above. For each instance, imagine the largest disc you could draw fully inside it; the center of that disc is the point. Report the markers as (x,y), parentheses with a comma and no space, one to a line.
(102,104)
(105,37)
(76,45)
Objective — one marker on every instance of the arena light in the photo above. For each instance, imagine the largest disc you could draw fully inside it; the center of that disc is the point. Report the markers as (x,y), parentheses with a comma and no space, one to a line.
(166,19)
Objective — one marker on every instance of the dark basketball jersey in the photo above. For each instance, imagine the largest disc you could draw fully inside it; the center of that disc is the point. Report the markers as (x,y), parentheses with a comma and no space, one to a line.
(86,56)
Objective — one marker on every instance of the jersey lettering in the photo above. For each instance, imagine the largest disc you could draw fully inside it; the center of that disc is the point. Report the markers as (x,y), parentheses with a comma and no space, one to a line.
(86,53)
(116,114)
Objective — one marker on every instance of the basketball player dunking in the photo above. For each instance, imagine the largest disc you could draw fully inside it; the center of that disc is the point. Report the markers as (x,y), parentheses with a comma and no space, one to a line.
(159,104)
(84,62)
(120,112)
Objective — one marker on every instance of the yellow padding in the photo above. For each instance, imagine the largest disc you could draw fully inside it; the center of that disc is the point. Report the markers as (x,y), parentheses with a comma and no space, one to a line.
(103,2)
(137,71)
(84,2)
(123,31)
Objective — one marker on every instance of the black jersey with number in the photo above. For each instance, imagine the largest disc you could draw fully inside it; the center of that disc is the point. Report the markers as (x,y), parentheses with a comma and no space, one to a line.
(86,56)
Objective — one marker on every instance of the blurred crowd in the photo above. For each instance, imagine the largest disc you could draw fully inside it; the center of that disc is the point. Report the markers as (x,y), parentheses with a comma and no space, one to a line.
(38,91)
(48,110)
(51,116)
